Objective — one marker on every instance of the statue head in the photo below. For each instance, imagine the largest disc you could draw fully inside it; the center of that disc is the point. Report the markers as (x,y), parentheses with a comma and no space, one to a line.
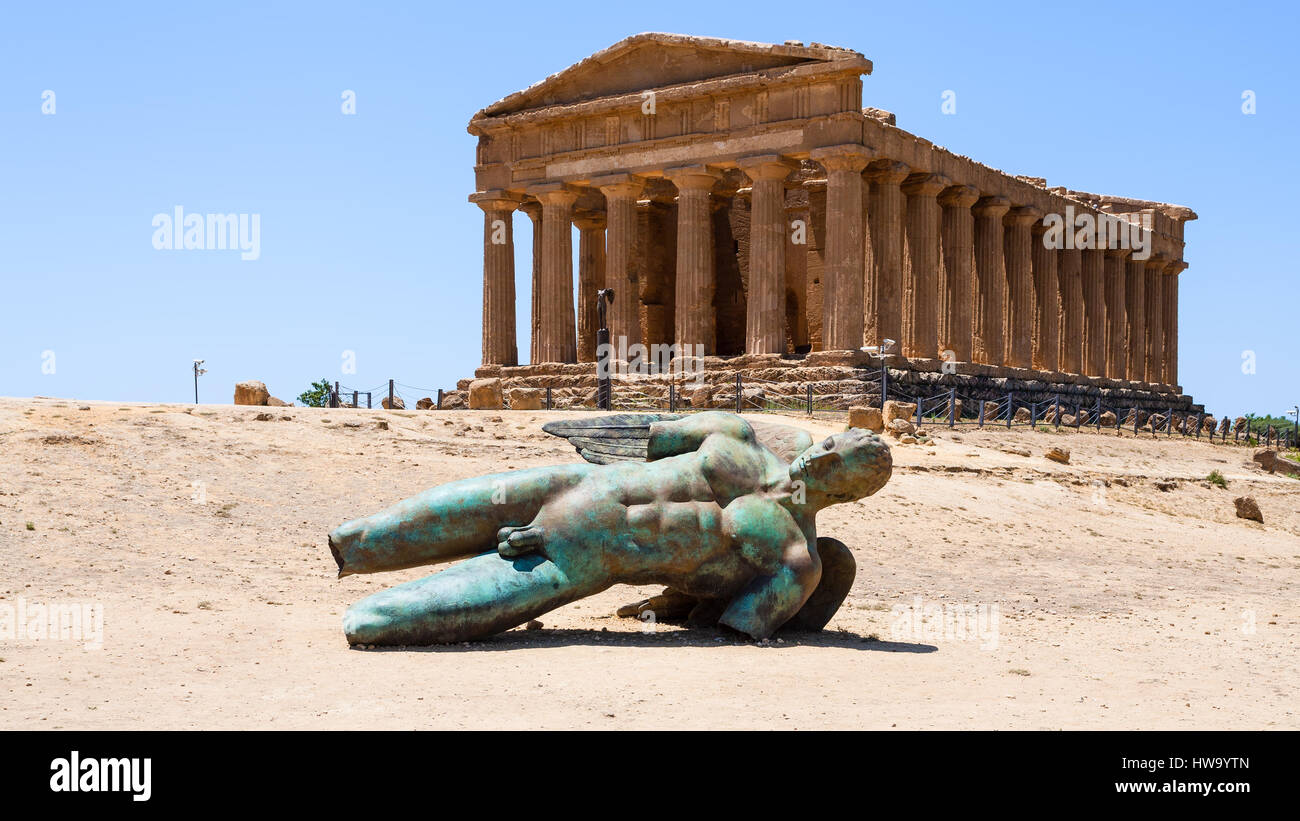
(843,467)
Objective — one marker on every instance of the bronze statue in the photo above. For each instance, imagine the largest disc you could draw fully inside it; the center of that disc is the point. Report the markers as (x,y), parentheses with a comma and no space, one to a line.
(720,510)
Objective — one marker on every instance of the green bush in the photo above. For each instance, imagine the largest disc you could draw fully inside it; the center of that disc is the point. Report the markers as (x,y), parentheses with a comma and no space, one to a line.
(318,396)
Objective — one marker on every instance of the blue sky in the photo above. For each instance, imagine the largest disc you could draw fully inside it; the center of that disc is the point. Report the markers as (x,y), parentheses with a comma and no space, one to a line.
(368,243)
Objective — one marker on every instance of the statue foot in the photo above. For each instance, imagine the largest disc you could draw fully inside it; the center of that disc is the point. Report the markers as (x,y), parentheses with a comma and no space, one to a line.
(519,541)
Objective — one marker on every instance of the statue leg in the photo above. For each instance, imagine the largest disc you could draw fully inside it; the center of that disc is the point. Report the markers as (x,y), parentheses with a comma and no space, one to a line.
(448,522)
(474,599)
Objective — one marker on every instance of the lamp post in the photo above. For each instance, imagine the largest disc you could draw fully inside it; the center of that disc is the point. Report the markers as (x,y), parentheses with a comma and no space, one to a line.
(197,372)
(604,356)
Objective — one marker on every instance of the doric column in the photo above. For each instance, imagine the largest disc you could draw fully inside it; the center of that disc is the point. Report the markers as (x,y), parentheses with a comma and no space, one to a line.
(533,209)
(1135,313)
(620,266)
(693,298)
(765,319)
(1047,303)
(957,286)
(844,274)
(1070,286)
(1116,315)
(1171,320)
(816,276)
(921,286)
(886,204)
(558,333)
(498,277)
(1154,341)
(1017,245)
(591,278)
(1094,311)
(988,344)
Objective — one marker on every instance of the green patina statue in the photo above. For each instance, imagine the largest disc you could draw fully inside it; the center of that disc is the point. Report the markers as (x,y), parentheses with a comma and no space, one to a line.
(720,510)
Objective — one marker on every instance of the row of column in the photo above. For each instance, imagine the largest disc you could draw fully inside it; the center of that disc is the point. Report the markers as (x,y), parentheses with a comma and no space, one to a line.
(909,256)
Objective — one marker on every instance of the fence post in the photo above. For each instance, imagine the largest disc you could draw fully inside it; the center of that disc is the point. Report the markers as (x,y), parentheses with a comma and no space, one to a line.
(336,395)
(1058,412)
(672,397)
(952,407)
(1137,416)
(1169,423)
(390,394)
(809,387)
(884,383)
(548,397)
(981,413)
(1033,415)
(1010,402)
(739,390)
(439,399)
(1078,412)
(1200,423)
(1119,422)
(1099,414)
(920,401)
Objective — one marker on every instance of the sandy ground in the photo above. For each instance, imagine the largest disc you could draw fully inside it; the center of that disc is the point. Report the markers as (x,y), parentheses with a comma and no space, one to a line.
(1106,601)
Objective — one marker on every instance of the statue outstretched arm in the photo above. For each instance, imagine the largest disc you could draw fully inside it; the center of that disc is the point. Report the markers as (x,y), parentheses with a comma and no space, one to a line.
(678,436)
(771,599)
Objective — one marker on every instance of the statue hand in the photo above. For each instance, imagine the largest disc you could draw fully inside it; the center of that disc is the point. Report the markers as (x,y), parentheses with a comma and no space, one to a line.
(519,541)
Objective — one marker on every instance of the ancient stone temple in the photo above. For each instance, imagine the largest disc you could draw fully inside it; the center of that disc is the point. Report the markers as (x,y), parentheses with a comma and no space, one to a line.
(740,201)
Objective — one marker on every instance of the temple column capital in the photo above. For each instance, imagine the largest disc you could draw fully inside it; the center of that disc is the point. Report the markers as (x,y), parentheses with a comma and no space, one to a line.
(589,220)
(959,196)
(495,200)
(925,185)
(767,166)
(888,171)
(1175,268)
(693,177)
(1022,215)
(555,193)
(619,186)
(992,207)
(853,158)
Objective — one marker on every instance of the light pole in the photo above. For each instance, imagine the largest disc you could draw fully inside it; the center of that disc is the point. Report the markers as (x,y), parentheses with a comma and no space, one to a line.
(197,371)
(1295,438)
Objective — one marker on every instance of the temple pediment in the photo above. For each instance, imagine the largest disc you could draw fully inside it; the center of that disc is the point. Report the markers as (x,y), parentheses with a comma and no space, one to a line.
(654,60)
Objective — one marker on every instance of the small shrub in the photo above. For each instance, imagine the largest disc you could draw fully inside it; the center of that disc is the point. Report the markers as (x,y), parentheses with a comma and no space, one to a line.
(31,525)
(1216,478)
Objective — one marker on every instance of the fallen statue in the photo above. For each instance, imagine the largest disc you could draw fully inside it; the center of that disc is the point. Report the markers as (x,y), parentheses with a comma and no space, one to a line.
(720,510)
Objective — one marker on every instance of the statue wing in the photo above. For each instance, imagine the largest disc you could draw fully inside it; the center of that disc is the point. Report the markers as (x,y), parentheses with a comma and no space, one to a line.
(625,437)
(601,440)
(786,441)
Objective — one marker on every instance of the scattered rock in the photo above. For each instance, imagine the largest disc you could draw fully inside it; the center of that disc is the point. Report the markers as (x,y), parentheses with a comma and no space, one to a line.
(1022,414)
(1108,419)
(1166,485)
(251,392)
(702,397)
(382,424)
(424,403)
(900,427)
(263,417)
(1248,509)
(485,394)
(894,409)
(1059,454)
(277,403)
(869,418)
(453,401)
(533,625)
(907,439)
(526,398)
(396,404)
(1266,458)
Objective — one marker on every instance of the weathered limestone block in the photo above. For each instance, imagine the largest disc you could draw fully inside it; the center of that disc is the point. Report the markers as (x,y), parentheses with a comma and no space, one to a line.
(251,392)
(485,394)
(898,410)
(526,398)
(900,427)
(1022,414)
(1266,458)
(1108,419)
(277,403)
(1247,508)
(396,404)
(702,397)
(454,400)
(1059,453)
(869,418)
(425,403)
(1239,424)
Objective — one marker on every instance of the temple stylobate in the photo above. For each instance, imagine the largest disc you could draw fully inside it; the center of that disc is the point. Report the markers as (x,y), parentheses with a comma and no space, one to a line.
(737,196)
